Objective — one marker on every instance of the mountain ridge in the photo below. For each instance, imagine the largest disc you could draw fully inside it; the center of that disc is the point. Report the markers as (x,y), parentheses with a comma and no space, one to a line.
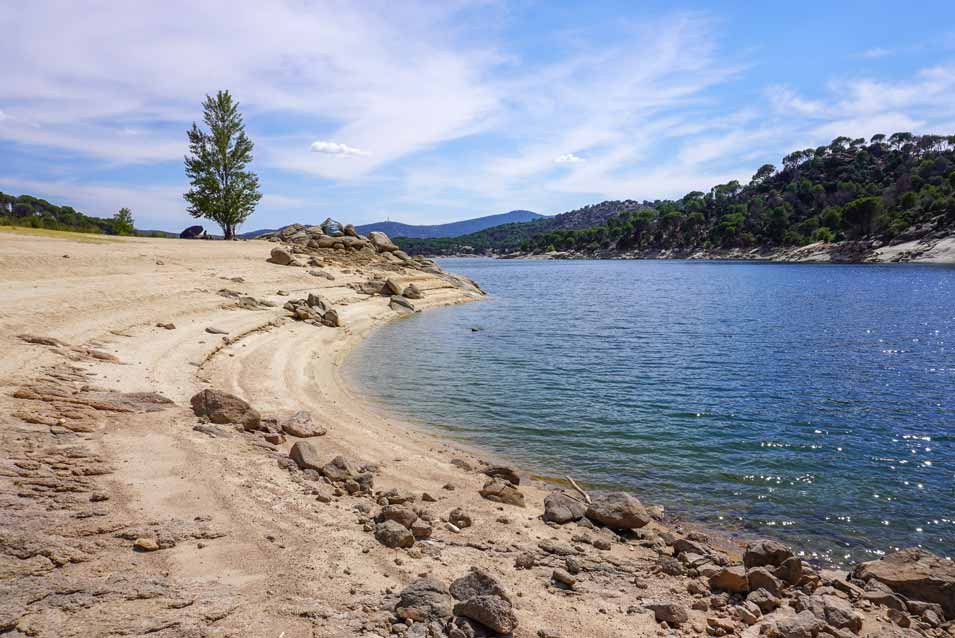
(450,229)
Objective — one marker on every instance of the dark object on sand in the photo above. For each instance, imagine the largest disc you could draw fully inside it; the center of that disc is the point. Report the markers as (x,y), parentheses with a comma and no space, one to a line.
(193,232)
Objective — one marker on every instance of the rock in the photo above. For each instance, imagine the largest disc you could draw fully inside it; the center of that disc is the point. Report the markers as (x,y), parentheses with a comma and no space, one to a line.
(459,518)
(332,319)
(557,549)
(618,510)
(146,544)
(412,292)
(730,579)
(424,600)
(305,456)
(340,469)
(915,573)
(670,613)
(790,571)
(889,631)
(560,508)
(400,304)
(478,582)
(802,625)
(502,492)
(381,242)
(192,232)
(301,425)
(503,472)
(391,287)
(403,515)
(167,326)
(525,561)
(421,529)
(766,552)
(394,535)
(216,331)
(350,231)
(840,614)
(749,613)
(332,228)
(762,578)
(564,578)
(280,256)
(764,600)
(220,407)
(491,611)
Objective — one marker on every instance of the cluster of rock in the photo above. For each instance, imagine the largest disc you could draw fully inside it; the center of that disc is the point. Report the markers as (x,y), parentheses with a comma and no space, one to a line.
(502,486)
(332,236)
(341,473)
(616,510)
(475,604)
(315,310)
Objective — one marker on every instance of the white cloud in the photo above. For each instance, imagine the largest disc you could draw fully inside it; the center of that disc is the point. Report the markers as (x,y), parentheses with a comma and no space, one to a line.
(568,158)
(3,115)
(333,148)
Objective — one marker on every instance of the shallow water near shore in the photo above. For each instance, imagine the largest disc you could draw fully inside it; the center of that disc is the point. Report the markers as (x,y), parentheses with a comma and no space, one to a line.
(815,403)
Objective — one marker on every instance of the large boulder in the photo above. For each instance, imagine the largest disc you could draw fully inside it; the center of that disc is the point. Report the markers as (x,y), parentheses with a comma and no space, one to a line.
(221,407)
(280,256)
(381,242)
(393,534)
(915,573)
(478,582)
(401,305)
(493,612)
(484,599)
(302,425)
(398,513)
(305,456)
(424,600)
(766,552)
(560,508)
(730,579)
(502,492)
(412,292)
(391,287)
(618,510)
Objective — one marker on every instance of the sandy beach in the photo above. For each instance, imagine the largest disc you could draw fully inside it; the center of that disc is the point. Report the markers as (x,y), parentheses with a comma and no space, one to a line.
(101,449)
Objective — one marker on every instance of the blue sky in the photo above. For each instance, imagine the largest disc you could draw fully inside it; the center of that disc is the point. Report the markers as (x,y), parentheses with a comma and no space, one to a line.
(437,111)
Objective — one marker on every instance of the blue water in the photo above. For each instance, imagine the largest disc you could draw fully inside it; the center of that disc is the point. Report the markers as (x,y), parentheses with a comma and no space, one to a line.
(810,402)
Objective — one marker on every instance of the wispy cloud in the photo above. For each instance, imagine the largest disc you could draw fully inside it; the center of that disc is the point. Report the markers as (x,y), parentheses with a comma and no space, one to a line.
(333,148)
(568,158)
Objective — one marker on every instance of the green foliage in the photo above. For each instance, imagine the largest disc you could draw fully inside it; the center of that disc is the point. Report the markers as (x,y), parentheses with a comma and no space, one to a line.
(222,189)
(32,212)
(849,189)
(123,222)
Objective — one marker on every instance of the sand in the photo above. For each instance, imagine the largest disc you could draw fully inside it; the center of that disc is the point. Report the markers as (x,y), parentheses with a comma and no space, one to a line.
(253,552)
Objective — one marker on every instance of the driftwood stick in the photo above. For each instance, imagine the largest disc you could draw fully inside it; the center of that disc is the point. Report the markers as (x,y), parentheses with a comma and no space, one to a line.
(577,487)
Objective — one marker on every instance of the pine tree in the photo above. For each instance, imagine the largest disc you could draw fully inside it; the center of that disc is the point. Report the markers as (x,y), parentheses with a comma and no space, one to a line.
(222,189)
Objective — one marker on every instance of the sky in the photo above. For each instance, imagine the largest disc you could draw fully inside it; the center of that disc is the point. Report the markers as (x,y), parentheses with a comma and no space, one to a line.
(428,112)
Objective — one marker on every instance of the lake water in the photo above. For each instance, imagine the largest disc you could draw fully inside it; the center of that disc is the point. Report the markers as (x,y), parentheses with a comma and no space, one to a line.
(810,402)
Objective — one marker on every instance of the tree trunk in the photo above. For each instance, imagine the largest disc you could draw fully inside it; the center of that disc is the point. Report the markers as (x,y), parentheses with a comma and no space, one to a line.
(228,230)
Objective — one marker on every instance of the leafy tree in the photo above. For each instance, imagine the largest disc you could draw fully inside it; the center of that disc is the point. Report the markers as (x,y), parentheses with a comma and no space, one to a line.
(863,212)
(123,222)
(222,189)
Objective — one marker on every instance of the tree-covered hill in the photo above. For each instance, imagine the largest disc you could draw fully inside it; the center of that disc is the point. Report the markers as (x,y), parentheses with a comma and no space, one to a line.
(887,188)
(33,212)
(510,237)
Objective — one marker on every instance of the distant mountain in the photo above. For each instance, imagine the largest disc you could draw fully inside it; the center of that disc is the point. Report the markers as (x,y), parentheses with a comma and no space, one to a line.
(253,234)
(453,229)
(509,237)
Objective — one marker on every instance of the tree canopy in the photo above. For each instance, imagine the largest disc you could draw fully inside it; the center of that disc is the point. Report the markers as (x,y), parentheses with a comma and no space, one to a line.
(222,189)
(892,187)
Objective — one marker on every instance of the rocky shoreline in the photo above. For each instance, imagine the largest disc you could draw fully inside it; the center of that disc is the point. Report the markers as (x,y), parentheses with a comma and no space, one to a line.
(940,250)
(181,458)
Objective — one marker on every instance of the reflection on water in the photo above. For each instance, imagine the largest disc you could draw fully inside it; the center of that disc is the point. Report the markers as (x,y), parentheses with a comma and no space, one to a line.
(813,402)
